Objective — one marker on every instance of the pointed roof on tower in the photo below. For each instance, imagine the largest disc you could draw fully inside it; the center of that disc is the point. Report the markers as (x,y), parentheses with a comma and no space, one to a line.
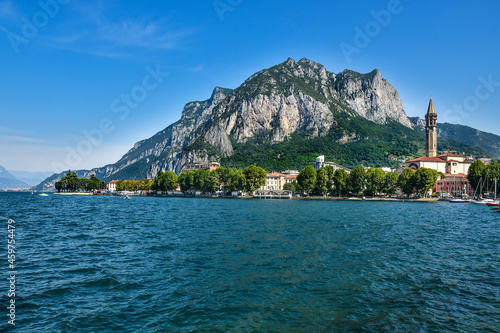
(430,109)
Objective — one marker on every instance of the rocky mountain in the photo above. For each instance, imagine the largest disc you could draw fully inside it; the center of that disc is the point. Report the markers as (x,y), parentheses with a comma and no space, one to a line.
(281,117)
(464,134)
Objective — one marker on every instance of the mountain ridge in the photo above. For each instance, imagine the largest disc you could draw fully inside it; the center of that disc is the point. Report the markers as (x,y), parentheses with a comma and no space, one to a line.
(292,106)
(464,134)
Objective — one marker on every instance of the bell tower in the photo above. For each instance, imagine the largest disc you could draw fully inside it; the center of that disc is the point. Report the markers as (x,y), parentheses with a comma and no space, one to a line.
(431,131)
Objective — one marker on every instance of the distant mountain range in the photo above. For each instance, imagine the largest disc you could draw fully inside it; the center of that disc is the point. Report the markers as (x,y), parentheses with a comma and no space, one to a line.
(21,179)
(283,118)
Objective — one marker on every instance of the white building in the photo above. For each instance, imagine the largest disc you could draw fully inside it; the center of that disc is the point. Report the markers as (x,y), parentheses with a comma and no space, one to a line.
(111,186)
(320,163)
(451,164)
(275,181)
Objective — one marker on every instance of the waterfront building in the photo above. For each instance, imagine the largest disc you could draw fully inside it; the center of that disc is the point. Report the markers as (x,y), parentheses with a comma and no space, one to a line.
(454,184)
(320,163)
(446,163)
(111,186)
(275,181)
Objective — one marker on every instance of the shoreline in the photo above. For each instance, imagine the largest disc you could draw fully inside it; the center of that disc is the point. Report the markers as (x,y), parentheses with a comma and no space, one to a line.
(266,198)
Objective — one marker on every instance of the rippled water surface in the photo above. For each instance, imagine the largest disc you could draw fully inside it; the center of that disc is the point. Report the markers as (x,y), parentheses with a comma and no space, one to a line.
(105,264)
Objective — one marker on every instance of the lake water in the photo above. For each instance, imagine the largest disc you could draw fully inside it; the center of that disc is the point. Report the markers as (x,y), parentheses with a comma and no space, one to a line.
(106,264)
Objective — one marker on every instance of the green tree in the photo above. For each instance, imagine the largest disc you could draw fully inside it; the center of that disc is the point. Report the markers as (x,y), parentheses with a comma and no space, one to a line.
(199,179)
(322,184)
(424,179)
(340,179)
(145,185)
(83,184)
(357,180)
(59,186)
(236,181)
(186,181)
(493,172)
(375,181)
(120,185)
(476,173)
(93,183)
(255,177)
(405,181)
(391,182)
(170,181)
(165,181)
(307,179)
(222,174)
(72,182)
(330,171)
(212,183)
(293,186)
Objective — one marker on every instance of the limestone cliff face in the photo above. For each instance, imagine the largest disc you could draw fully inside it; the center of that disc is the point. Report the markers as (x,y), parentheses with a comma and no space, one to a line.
(300,96)
(276,114)
(275,102)
(372,97)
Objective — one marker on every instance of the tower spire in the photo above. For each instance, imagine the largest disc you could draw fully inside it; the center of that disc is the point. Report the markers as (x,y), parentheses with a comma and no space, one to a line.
(430,109)
(431,131)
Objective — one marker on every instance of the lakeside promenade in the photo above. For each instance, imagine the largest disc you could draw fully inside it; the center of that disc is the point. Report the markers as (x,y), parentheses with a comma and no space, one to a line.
(261,198)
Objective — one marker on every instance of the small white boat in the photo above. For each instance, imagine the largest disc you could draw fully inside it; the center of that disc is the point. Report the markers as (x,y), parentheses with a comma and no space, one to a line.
(459,201)
(43,194)
(482,201)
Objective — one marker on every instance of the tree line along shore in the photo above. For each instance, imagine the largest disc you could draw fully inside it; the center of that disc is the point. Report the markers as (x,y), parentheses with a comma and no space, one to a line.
(321,183)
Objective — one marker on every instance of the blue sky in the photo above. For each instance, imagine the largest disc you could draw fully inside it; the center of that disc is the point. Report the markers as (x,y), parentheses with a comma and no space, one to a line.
(66,65)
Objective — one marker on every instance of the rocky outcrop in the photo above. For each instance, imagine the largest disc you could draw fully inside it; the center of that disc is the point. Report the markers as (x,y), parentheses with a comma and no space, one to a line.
(276,114)
(372,97)
(418,123)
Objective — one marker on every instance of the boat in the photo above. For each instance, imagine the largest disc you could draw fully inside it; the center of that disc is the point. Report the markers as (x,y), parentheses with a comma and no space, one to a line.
(482,201)
(496,202)
(459,201)
(43,194)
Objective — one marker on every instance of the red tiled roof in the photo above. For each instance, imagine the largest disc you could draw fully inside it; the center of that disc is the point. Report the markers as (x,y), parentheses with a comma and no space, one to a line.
(428,159)
(291,176)
(275,174)
(449,154)
(463,175)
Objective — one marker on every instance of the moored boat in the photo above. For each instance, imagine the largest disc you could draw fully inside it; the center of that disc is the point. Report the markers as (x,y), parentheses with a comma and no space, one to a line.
(459,201)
